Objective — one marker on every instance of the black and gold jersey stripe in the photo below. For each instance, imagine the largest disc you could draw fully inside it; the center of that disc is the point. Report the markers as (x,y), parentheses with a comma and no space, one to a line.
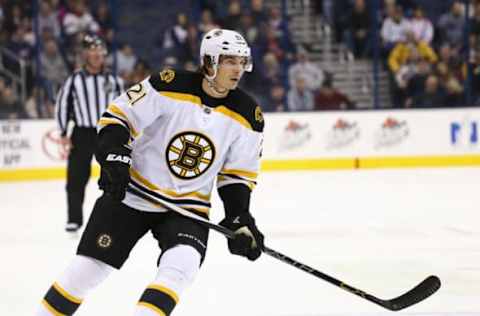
(187,86)
(156,199)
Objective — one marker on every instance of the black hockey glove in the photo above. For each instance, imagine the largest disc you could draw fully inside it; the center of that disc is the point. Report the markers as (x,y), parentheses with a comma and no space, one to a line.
(114,175)
(248,241)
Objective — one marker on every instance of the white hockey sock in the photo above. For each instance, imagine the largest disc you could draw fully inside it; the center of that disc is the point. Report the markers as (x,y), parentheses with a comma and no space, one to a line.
(178,267)
(65,296)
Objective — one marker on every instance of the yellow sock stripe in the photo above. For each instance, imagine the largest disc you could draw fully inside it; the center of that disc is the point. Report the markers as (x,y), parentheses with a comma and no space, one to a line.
(65,294)
(51,309)
(152,307)
(165,290)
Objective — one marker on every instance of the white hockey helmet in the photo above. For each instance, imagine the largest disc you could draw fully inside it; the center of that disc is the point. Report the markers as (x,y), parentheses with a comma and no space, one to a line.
(224,42)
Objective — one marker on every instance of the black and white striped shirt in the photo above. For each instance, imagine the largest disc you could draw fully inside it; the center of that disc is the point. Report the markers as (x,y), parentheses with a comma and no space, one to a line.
(84,97)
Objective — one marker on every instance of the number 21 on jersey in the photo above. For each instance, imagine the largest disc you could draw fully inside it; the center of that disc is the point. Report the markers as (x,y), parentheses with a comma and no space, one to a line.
(135,93)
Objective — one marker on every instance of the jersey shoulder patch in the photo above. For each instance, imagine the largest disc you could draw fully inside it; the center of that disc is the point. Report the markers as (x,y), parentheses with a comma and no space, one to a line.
(245,105)
(175,80)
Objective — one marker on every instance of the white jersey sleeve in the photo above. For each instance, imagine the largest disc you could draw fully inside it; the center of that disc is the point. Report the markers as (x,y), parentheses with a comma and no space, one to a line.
(135,109)
(242,164)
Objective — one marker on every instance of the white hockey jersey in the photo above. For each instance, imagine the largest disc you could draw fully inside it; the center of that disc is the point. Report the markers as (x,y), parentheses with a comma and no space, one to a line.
(183,140)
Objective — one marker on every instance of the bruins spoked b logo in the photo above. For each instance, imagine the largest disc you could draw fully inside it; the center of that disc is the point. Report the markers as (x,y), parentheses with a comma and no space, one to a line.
(190,154)
(104,241)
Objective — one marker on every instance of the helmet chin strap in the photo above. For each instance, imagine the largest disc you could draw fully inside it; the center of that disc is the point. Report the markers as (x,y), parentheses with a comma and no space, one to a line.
(214,87)
(211,83)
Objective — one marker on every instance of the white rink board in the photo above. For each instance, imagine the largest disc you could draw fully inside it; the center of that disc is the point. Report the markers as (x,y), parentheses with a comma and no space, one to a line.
(382,231)
(35,144)
(30,144)
(372,133)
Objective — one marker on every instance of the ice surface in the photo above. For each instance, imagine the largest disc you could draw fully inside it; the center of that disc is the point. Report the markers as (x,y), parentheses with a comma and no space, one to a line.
(380,231)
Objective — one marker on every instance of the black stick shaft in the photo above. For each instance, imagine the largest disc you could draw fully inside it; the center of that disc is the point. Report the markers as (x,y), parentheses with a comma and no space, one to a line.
(417,294)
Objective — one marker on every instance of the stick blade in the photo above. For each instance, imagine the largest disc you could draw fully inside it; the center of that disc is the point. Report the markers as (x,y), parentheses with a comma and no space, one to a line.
(423,290)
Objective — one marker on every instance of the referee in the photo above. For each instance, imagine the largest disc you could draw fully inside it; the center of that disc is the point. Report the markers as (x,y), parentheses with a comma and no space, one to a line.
(82,99)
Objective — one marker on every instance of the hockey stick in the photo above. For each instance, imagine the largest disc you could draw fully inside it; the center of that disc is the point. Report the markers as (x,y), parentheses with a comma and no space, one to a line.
(420,292)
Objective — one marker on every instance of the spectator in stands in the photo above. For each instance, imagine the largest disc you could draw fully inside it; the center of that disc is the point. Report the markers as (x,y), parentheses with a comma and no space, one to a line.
(323,12)
(190,66)
(103,18)
(407,71)
(449,72)
(258,13)
(329,98)
(126,61)
(3,85)
(394,28)
(53,68)
(431,97)
(9,105)
(248,28)
(276,22)
(416,84)
(192,45)
(300,98)
(313,75)
(447,56)
(175,37)
(269,42)
(140,71)
(79,19)
(13,17)
(48,109)
(356,35)
(276,101)
(207,22)
(232,20)
(421,27)
(335,13)
(29,35)
(406,48)
(271,72)
(47,19)
(475,20)
(31,110)
(454,96)
(402,58)
(474,65)
(451,25)
(19,46)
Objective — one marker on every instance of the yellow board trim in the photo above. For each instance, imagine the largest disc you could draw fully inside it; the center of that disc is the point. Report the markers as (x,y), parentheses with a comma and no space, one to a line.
(51,309)
(10,175)
(29,174)
(67,295)
(418,162)
(152,307)
(308,164)
(165,290)
(137,176)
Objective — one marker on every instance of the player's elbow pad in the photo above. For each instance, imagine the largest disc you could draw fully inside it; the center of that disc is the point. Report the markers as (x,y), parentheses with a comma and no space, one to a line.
(111,136)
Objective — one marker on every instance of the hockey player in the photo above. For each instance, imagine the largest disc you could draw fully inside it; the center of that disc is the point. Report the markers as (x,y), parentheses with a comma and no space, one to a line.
(167,139)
